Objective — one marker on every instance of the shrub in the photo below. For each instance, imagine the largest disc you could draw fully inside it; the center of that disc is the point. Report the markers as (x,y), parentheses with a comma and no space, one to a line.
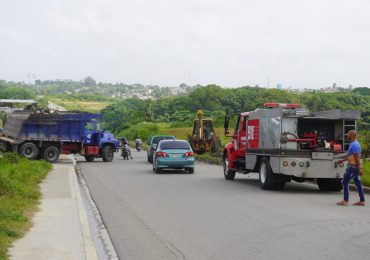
(143,130)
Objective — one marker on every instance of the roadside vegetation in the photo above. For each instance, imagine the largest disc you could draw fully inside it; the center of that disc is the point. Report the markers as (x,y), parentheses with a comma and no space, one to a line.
(366,173)
(19,196)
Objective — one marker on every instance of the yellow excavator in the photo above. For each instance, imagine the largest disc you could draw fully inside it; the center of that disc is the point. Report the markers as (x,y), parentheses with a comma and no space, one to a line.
(203,137)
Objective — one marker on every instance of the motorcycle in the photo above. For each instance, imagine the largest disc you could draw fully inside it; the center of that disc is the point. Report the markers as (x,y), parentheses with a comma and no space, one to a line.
(125,152)
(138,146)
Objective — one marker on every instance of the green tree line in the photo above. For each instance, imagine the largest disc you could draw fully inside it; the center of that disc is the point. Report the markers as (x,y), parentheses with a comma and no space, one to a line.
(217,101)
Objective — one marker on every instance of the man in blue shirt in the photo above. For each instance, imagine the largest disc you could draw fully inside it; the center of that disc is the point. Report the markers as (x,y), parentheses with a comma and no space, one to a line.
(353,171)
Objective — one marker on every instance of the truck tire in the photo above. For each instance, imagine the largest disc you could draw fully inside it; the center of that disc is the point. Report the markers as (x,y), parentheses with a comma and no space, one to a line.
(229,174)
(51,154)
(266,176)
(107,153)
(89,158)
(329,184)
(29,150)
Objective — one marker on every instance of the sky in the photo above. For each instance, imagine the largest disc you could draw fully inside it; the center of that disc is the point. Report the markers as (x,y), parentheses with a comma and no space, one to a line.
(299,44)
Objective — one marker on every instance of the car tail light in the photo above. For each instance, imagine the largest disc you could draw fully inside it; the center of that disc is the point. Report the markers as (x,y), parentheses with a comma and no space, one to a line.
(189,154)
(161,154)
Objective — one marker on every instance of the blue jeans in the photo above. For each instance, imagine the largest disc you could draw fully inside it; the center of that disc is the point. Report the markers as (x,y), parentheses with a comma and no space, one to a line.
(352,173)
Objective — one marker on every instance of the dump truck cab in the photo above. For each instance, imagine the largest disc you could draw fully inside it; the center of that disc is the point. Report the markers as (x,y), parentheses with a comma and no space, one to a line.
(284,142)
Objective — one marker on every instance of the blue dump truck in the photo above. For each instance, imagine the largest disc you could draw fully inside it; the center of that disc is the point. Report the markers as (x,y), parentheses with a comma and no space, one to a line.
(47,135)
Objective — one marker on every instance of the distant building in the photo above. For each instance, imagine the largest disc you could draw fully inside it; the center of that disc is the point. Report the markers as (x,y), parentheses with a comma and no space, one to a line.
(279,86)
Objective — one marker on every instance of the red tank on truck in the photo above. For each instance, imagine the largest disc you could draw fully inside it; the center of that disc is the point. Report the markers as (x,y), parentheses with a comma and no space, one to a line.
(284,142)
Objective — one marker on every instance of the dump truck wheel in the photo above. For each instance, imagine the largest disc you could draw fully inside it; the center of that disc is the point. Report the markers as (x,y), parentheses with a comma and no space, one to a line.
(266,176)
(107,153)
(29,150)
(329,184)
(229,174)
(51,154)
(89,158)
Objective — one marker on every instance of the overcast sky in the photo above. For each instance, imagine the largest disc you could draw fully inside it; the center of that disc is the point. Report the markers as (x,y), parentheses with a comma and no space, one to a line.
(298,43)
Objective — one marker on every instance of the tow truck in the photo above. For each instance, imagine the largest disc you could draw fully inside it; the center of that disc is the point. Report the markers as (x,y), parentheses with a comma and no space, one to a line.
(284,142)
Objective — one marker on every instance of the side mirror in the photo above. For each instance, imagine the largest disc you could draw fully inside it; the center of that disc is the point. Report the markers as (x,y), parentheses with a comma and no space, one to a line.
(226,125)
(154,146)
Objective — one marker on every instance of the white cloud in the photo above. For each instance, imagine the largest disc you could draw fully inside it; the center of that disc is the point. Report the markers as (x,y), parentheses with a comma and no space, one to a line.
(235,42)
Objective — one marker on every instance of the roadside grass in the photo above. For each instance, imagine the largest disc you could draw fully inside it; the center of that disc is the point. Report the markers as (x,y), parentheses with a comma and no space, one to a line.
(366,173)
(79,105)
(19,196)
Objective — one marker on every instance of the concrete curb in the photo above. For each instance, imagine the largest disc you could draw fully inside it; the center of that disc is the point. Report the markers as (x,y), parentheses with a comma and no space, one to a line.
(100,235)
(89,245)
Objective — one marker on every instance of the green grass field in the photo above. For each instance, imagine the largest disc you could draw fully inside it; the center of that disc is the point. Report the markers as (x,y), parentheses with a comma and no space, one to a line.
(19,196)
(79,105)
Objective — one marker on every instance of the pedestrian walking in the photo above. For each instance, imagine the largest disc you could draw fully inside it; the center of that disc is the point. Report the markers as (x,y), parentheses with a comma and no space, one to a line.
(353,171)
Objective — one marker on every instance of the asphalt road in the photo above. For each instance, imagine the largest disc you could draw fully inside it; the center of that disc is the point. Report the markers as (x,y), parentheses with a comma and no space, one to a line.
(202,216)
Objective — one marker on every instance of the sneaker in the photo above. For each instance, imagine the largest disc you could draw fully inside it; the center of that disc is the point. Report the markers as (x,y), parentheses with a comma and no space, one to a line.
(342,203)
(359,203)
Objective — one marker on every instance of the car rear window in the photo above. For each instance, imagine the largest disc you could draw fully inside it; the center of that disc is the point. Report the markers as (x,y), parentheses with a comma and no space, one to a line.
(157,139)
(175,145)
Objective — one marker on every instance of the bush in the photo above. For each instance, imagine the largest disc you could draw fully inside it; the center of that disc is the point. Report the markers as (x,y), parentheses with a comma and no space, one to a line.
(143,130)
(364,139)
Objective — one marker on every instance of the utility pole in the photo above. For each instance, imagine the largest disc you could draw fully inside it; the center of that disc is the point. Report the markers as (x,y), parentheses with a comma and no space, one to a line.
(30,76)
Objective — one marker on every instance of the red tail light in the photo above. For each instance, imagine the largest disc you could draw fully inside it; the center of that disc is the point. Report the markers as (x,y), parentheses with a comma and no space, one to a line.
(189,154)
(161,154)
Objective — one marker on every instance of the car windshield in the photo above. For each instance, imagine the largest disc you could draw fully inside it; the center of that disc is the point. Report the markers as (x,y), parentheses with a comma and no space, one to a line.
(157,139)
(175,145)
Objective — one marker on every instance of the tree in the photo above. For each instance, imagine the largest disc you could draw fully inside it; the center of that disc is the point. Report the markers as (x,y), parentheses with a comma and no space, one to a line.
(89,81)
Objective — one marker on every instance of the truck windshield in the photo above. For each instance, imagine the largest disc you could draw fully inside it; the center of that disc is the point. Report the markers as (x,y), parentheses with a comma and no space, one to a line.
(92,126)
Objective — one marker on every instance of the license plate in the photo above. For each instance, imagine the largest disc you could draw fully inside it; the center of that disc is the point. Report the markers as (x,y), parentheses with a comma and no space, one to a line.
(176,155)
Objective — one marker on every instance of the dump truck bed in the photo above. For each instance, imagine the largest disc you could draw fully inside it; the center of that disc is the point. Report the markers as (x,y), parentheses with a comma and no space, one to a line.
(46,127)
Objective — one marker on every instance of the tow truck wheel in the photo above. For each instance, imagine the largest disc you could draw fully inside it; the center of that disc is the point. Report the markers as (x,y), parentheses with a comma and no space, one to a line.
(329,184)
(107,153)
(29,150)
(229,174)
(266,175)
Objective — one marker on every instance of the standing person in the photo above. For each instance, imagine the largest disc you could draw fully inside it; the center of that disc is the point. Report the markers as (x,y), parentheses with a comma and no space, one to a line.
(353,171)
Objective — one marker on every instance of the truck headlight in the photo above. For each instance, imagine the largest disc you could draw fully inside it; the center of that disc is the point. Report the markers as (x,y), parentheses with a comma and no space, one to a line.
(293,164)
(285,163)
(341,165)
(301,164)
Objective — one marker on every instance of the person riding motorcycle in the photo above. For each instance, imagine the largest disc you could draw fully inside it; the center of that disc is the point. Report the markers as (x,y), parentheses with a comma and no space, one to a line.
(125,147)
(138,143)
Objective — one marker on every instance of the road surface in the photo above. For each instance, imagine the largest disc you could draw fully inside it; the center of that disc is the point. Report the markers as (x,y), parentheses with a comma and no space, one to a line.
(202,216)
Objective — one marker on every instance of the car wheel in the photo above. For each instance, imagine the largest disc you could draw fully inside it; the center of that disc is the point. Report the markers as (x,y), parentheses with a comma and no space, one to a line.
(191,170)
